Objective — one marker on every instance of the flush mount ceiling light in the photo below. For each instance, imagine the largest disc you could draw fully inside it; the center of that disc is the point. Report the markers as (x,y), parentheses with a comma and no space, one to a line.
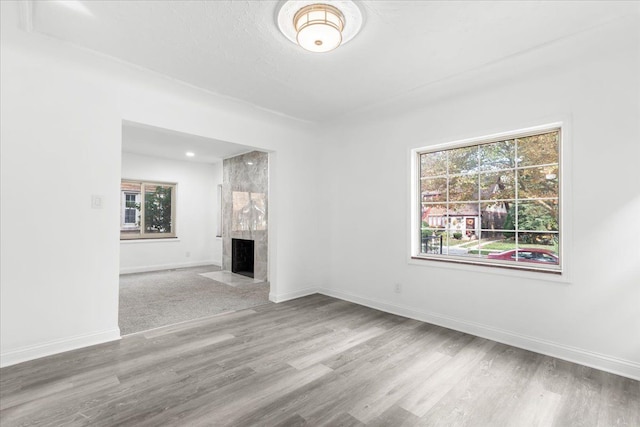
(319,27)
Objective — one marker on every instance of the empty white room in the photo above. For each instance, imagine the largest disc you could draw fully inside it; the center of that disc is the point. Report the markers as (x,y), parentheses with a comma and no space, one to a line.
(333,213)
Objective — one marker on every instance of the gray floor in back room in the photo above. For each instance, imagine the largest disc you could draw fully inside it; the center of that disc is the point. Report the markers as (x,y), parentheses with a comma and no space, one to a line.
(154,299)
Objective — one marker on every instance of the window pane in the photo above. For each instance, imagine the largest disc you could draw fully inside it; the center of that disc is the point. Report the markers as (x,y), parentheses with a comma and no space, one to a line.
(538,149)
(497,185)
(494,216)
(434,216)
(497,155)
(482,246)
(496,241)
(434,189)
(463,160)
(473,247)
(130,216)
(433,164)
(463,209)
(538,247)
(463,220)
(131,201)
(462,235)
(538,182)
(432,241)
(157,209)
(130,209)
(463,188)
(544,240)
(538,215)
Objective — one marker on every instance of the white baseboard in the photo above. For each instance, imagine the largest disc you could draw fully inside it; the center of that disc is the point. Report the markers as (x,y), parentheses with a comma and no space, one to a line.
(599,361)
(293,295)
(24,354)
(595,360)
(159,267)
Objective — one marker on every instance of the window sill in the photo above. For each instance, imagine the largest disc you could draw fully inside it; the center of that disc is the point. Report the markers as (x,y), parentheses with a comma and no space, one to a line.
(167,239)
(520,272)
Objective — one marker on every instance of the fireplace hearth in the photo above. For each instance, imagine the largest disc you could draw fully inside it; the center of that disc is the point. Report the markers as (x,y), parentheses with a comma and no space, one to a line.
(242,257)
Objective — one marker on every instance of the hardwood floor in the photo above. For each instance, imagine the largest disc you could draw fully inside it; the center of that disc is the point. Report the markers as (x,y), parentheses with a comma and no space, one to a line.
(309,362)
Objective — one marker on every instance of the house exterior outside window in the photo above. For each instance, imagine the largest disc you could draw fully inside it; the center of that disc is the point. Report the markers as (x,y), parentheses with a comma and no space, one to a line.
(493,201)
(130,209)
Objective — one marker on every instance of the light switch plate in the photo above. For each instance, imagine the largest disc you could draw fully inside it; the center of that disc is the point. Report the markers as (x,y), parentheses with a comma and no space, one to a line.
(96,201)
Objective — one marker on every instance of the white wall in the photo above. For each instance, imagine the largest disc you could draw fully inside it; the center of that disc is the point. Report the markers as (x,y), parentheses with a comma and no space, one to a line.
(197,210)
(62,110)
(591,82)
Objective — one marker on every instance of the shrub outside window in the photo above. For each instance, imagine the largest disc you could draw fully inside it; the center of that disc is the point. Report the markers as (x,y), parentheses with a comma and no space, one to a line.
(493,202)
(148,210)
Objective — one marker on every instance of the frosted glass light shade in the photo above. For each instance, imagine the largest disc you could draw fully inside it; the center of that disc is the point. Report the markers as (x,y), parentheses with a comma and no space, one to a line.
(319,27)
(300,16)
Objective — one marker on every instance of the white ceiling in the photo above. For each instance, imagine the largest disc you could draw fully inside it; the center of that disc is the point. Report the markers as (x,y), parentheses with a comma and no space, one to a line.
(168,144)
(234,48)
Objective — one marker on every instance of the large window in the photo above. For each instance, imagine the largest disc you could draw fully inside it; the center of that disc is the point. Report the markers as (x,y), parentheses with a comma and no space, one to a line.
(148,210)
(493,202)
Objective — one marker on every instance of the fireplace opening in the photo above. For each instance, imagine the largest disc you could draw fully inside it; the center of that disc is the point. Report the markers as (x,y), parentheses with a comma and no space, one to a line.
(242,257)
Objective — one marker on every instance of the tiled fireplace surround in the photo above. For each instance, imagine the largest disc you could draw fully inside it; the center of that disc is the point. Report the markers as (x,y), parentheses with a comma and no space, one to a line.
(245,181)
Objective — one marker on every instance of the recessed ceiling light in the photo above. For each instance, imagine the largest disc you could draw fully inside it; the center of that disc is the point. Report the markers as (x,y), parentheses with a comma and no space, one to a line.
(250,163)
(319,27)
(190,154)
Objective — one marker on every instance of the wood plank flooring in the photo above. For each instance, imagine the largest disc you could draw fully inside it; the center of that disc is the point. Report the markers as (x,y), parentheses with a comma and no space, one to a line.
(310,362)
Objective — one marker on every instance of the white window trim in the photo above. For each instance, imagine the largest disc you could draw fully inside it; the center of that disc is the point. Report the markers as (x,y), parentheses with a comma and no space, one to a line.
(140,241)
(537,272)
(152,236)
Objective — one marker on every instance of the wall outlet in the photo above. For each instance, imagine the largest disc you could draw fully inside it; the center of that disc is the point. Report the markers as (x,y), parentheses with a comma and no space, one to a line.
(187,254)
(397,288)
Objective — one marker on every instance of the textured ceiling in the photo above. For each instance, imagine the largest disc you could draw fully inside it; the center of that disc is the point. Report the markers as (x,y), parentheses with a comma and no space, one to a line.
(234,47)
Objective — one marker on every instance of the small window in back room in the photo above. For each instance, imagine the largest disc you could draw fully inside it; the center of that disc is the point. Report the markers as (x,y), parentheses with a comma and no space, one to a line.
(148,210)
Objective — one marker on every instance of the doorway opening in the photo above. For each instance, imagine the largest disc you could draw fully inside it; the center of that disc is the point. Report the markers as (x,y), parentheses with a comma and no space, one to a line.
(168,278)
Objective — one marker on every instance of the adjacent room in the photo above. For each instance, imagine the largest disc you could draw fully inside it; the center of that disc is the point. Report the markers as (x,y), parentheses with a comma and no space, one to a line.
(174,187)
(348,212)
